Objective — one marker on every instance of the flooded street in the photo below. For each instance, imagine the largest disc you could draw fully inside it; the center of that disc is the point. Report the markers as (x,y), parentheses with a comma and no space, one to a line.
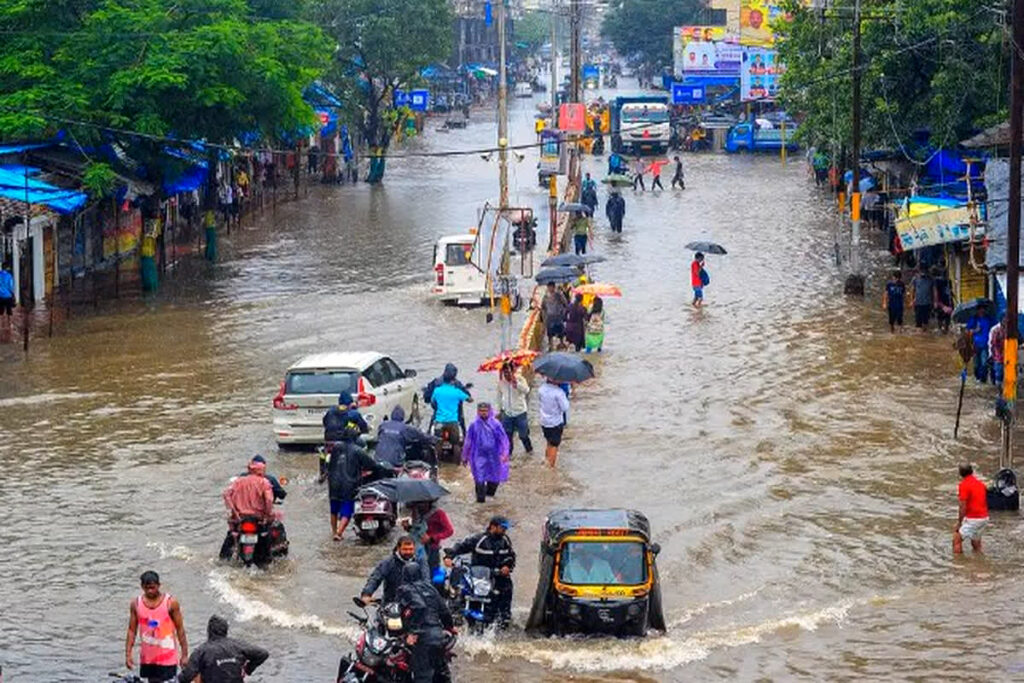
(795,459)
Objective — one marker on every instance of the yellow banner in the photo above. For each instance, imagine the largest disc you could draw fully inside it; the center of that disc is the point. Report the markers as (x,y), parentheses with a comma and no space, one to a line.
(934,227)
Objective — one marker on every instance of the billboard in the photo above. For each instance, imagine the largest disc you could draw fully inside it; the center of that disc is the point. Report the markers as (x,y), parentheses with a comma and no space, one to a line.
(705,50)
(756,20)
(760,70)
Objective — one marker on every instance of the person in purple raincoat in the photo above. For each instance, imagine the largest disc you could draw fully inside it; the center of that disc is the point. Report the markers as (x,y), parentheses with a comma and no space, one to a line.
(486,452)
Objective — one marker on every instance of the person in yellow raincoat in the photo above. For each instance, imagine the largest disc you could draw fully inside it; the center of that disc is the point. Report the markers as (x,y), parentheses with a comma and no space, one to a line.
(588,299)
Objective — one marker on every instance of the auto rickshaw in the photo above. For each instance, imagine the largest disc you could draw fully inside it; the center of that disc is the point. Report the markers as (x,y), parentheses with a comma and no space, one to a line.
(597,575)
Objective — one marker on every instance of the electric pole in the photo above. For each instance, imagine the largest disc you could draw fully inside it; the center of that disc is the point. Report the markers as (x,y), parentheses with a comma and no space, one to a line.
(1013,234)
(554,63)
(502,109)
(855,280)
(575,62)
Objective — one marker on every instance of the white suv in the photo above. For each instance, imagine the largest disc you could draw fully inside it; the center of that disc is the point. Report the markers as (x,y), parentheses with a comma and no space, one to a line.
(311,386)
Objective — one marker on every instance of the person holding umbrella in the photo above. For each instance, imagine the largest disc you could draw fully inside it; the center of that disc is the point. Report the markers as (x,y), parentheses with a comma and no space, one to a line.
(428,525)
(575,319)
(486,452)
(554,407)
(698,279)
(580,231)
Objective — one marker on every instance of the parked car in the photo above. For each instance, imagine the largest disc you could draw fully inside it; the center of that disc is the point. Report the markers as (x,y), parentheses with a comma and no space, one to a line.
(312,385)
(523,89)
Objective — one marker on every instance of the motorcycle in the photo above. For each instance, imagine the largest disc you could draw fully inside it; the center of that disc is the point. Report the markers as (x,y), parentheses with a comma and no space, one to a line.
(375,513)
(259,543)
(381,653)
(418,469)
(476,586)
(445,443)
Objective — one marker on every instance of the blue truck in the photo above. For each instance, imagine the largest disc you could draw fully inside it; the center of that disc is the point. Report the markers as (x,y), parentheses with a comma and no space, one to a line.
(640,124)
(748,137)
(591,76)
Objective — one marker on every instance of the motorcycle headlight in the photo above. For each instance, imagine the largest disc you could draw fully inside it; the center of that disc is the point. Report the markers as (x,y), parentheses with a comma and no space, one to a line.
(481,587)
(394,623)
(370,659)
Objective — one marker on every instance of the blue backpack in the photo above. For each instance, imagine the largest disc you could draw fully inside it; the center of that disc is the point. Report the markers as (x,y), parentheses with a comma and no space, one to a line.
(704,278)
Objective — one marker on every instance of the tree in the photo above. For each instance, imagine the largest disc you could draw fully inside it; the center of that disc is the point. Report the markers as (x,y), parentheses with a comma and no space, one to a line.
(644,27)
(214,70)
(937,65)
(381,47)
(533,29)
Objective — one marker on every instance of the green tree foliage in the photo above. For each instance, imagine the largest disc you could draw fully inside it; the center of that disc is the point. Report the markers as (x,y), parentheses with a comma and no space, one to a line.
(207,69)
(644,27)
(381,45)
(939,65)
(533,29)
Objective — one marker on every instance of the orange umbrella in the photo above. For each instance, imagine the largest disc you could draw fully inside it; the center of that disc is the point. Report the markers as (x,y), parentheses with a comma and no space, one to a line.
(517,357)
(598,289)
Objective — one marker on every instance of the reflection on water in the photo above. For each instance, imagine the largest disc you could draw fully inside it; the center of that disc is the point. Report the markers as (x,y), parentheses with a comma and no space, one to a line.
(794,458)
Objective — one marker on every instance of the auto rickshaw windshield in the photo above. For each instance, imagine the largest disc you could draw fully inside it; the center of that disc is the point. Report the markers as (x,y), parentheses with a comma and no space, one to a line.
(596,563)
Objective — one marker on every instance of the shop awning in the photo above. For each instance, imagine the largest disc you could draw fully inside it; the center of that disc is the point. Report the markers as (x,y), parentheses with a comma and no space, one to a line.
(21,187)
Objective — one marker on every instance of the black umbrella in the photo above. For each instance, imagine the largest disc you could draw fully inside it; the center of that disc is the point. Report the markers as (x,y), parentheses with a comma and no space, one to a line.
(564,367)
(968,308)
(572,260)
(575,206)
(558,275)
(408,490)
(707,248)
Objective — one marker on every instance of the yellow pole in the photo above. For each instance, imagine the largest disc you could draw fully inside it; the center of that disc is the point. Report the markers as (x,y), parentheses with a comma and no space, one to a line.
(782,151)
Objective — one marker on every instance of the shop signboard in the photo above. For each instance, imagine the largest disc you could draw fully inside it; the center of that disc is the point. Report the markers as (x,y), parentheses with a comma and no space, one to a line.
(936,227)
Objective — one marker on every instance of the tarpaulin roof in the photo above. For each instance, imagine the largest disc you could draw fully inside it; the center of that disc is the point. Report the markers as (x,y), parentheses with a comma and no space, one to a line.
(25,147)
(21,187)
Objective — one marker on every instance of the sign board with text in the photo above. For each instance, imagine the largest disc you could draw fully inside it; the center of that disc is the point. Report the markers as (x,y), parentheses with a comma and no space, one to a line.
(936,227)
(687,94)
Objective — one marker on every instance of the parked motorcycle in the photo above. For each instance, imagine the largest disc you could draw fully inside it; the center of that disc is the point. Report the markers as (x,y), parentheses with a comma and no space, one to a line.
(381,653)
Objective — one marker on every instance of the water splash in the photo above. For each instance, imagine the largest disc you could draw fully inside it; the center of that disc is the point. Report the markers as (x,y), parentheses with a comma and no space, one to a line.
(249,608)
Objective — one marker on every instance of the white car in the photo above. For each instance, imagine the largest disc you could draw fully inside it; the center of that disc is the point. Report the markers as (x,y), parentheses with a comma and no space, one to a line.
(456,279)
(312,385)
(523,89)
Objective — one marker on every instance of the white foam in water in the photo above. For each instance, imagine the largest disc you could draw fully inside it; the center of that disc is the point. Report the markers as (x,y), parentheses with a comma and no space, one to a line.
(651,654)
(178,552)
(689,614)
(251,608)
(49,397)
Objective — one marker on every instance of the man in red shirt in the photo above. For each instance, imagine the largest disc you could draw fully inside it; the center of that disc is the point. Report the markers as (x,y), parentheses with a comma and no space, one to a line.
(973,511)
(697,280)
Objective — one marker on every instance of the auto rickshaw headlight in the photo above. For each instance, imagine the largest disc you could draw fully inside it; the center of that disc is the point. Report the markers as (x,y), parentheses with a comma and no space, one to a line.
(574,610)
(633,610)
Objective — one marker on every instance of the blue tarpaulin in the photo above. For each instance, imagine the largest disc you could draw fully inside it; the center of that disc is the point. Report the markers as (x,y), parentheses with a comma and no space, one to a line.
(17,149)
(19,187)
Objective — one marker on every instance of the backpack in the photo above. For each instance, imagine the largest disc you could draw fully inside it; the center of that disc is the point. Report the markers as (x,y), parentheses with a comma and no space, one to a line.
(704,278)
(428,391)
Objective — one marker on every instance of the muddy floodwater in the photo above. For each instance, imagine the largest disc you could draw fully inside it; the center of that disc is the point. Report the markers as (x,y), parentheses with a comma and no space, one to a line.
(795,459)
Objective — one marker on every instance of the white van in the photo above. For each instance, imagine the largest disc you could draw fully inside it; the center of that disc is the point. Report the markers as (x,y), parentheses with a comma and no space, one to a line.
(456,279)
(523,89)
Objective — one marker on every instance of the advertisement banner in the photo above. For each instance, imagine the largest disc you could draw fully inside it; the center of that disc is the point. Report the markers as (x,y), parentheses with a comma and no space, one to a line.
(705,50)
(756,20)
(936,227)
(760,70)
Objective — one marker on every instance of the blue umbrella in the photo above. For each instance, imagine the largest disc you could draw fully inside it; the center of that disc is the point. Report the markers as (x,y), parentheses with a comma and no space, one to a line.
(557,275)
(572,260)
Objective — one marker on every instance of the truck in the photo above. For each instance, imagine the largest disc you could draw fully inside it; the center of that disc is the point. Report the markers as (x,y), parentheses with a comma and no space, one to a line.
(640,124)
(749,137)
(591,76)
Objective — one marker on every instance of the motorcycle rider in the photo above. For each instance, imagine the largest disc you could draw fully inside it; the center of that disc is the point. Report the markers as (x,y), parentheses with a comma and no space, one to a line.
(221,659)
(335,420)
(493,549)
(228,547)
(345,466)
(447,399)
(449,376)
(425,615)
(250,495)
(389,570)
(396,440)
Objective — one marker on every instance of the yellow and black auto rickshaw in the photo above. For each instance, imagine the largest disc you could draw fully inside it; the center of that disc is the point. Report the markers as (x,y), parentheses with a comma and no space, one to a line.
(597,575)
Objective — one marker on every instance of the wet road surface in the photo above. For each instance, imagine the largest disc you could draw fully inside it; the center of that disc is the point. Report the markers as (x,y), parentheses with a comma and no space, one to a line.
(795,459)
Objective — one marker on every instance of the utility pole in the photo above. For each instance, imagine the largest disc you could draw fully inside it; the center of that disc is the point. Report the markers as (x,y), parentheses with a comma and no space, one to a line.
(554,63)
(502,109)
(1013,234)
(575,62)
(855,280)
(504,276)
